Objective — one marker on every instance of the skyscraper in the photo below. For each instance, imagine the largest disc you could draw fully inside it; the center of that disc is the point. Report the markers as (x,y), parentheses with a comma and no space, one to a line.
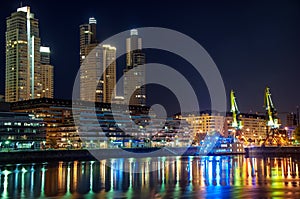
(46,73)
(109,74)
(94,58)
(88,38)
(135,57)
(22,55)
(88,68)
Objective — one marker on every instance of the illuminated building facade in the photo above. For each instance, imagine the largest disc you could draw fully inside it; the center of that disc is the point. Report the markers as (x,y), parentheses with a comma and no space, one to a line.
(118,129)
(88,37)
(91,86)
(89,72)
(205,123)
(88,67)
(57,115)
(21,131)
(118,100)
(172,132)
(292,122)
(98,66)
(109,74)
(62,132)
(22,55)
(27,74)
(46,73)
(253,130)
(134,58)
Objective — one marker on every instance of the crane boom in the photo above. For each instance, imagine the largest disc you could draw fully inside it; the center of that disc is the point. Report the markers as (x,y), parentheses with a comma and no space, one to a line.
(272,121)
(236,123)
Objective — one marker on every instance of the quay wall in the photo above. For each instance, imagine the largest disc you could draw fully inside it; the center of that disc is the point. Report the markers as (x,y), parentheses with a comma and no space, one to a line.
(84,154)
(273,151)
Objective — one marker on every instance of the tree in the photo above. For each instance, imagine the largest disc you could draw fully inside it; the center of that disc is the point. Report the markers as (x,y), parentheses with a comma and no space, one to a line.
(297,134)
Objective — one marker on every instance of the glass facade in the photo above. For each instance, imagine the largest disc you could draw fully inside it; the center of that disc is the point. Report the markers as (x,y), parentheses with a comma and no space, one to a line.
(21,131)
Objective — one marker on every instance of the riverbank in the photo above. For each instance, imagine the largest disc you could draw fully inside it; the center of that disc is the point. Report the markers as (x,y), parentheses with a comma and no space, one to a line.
(85,154)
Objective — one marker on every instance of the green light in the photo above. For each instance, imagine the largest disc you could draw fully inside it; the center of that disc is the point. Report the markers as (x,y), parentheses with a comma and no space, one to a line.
(7,142)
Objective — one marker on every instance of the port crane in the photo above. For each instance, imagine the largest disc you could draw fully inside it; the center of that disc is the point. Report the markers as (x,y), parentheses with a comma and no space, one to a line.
(236,122)
(273,137)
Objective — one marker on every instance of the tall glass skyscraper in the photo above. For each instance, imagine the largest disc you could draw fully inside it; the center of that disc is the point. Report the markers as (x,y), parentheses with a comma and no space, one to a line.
(88,37)
(23,68)
(98,66)
(88,68)
(46,73)
(109,74)
(135,57)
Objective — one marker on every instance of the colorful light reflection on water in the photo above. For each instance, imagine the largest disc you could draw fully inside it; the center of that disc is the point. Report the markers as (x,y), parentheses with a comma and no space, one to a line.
(172,177)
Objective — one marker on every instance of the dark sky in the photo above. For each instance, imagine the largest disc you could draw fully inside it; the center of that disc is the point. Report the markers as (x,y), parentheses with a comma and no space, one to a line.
(254,43)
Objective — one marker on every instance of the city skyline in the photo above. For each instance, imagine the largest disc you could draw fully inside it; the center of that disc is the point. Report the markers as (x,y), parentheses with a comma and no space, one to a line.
(262,58)
(149,99)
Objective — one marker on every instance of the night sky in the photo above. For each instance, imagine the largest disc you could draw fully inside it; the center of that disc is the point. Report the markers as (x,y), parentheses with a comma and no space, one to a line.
(253,43)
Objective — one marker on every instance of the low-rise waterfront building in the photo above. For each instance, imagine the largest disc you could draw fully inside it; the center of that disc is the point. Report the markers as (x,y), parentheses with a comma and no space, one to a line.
(292,122)
(205,122)
(174,133)
(82,124)
(253,127)
(21,131)
(253,130)
(57,114)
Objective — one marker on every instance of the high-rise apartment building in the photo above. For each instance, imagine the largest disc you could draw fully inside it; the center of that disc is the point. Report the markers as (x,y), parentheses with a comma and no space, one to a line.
(109,74)
(22,55)
(46,73)
(98,66)
(23,67)
(88,68)
(88,39)
(132,81)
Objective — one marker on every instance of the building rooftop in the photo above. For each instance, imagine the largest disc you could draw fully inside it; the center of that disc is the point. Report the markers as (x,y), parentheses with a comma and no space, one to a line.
(133,32)
(92,20)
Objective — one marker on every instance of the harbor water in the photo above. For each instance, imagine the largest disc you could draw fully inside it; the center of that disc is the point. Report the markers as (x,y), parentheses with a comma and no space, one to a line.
(163,177)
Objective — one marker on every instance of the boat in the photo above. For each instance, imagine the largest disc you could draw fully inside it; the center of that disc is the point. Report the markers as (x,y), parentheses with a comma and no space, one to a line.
(223,146)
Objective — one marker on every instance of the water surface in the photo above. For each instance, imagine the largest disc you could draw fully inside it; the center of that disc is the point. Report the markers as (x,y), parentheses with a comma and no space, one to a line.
(165,177)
